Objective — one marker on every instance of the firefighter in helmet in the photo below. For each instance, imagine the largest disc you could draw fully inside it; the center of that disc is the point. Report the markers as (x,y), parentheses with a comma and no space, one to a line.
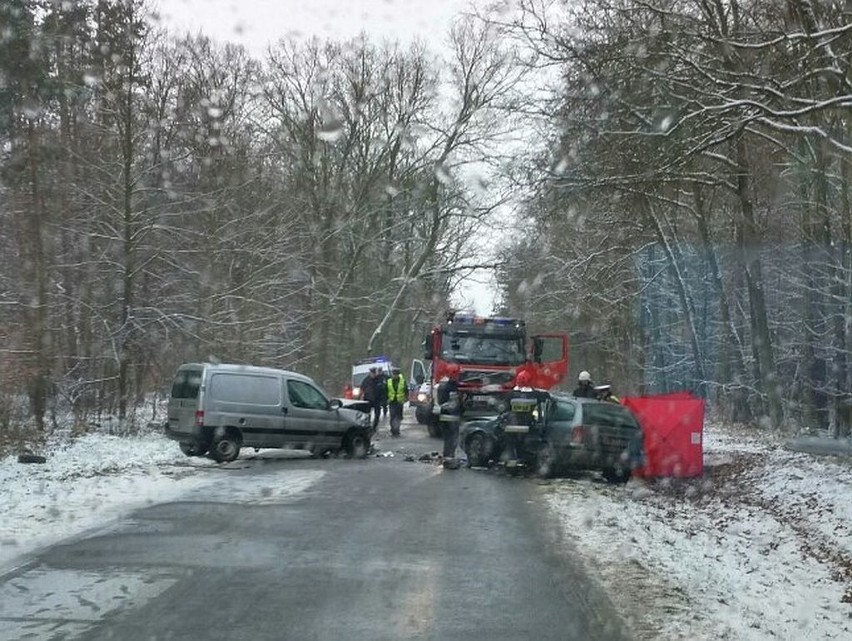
(449,400)
(585,387)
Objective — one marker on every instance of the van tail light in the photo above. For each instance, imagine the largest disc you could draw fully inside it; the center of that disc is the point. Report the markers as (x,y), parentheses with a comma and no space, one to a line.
(577,436)
(199,418)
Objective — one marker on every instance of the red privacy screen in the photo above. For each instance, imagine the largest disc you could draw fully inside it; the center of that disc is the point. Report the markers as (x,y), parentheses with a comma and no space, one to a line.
(673,428)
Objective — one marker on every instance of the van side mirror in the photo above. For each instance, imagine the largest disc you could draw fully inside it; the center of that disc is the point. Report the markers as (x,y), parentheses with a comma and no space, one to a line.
(335,403)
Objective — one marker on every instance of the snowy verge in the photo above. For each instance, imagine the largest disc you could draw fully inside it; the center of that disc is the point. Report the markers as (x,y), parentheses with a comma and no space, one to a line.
(759,548)
(93,480)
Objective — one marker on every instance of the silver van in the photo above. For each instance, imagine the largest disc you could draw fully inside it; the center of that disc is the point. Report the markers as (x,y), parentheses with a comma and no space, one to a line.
(220,408)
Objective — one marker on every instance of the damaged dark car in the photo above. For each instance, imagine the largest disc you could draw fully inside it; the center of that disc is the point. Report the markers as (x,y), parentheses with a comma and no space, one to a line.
(551,433)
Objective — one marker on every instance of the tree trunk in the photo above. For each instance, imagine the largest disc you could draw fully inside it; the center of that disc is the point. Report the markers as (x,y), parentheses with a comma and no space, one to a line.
(39,382)
(686,304)
(761,336)
(732,361)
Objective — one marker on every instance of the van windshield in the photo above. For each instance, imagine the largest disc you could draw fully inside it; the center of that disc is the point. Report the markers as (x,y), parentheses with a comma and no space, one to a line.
(186,383)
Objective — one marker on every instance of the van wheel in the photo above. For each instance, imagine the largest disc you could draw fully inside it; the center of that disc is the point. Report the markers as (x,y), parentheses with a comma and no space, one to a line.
(192,449)
(356,444)
(225,448)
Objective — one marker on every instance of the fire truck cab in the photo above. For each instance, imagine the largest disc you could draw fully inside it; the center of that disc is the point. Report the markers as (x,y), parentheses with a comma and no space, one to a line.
(491,352)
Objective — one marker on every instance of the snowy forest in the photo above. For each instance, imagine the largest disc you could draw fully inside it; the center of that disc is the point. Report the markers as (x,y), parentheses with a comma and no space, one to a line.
(671,179)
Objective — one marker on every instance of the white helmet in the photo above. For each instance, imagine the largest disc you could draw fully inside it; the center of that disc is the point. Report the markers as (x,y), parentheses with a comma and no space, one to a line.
(584,377)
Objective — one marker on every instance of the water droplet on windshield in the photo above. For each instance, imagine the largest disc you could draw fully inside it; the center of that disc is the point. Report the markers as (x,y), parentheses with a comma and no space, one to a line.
(31,110)
(442,175)
(330,132)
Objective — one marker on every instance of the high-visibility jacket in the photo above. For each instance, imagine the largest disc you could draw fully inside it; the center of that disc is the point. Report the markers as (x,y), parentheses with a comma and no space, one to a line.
(398,393)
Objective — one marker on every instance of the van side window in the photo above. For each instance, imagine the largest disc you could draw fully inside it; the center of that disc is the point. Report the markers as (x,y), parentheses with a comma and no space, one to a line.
(240,388)
(305,395)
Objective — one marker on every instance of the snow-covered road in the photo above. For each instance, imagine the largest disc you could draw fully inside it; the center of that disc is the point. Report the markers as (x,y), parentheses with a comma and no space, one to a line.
(760,548)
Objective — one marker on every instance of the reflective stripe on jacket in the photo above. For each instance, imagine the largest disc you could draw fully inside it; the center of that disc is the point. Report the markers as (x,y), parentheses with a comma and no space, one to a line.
(400,394)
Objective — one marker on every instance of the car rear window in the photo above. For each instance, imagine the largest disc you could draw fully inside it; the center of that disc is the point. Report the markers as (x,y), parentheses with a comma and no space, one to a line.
(608,414)
(186,383)
(562,411)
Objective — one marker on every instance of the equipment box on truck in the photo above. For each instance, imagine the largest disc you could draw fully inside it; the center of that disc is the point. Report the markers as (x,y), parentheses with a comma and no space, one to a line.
(220,408)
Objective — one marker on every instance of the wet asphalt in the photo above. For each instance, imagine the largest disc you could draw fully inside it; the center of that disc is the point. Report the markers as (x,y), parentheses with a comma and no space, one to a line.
(278,546)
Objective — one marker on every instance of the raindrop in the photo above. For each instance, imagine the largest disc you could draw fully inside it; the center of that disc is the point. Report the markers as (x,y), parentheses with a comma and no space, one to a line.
(391,191)
(330,132)
(91,80)
(32,110)
(666,123)
(214,112)
(561,167)
(442,175)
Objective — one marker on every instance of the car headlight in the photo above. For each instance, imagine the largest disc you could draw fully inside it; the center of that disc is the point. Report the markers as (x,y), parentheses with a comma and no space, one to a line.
(356,392)
(364,419)
(421,397)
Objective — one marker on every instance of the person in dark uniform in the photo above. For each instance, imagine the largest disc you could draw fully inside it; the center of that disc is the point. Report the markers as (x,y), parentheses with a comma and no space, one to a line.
(370,393)
(382,385)
(585,387)
(448,398)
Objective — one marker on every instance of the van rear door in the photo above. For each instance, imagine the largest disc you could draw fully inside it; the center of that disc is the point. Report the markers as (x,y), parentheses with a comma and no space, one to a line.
(185,398)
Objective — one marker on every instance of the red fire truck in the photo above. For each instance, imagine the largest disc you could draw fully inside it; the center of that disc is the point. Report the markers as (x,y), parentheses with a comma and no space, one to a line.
(491,351)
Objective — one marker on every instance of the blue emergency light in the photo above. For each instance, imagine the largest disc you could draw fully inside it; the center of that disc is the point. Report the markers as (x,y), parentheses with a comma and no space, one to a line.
(373,359)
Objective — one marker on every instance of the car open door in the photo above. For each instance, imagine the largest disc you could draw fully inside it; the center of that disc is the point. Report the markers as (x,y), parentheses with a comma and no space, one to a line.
(550,360)
(417,377)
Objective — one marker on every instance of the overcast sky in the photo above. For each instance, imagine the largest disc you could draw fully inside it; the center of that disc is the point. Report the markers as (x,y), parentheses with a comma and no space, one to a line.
(256,23)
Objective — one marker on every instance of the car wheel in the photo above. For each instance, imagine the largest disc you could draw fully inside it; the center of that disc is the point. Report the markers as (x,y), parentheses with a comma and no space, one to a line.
(545,461)
(616,475)
(356,444)
(225,448)
(478,450)
(192,449)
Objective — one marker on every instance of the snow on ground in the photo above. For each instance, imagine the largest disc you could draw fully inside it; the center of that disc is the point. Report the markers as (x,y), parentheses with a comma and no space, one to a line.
(93,480)
(759,548)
